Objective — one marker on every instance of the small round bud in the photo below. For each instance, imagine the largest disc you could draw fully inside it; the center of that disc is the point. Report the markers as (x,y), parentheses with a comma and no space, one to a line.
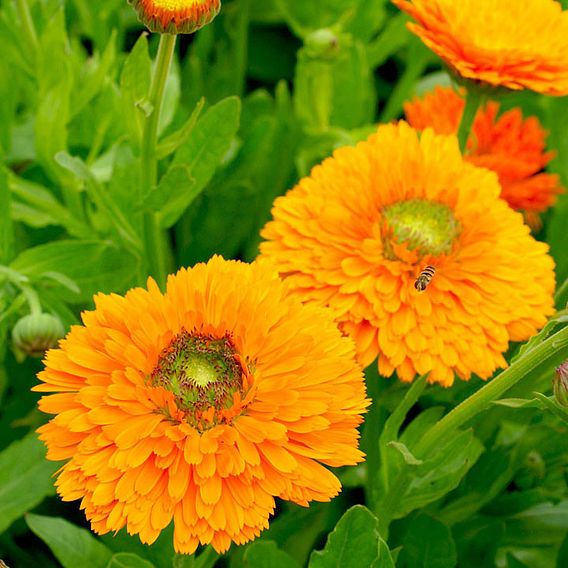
(175,16)
(34,334)
(560,384)
(323,44)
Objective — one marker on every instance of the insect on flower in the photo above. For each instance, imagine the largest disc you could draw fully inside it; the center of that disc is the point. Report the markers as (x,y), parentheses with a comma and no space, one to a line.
(424,278)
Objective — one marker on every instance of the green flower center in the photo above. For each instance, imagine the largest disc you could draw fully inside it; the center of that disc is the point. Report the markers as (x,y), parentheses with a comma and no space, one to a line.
(427,227)
(202,372)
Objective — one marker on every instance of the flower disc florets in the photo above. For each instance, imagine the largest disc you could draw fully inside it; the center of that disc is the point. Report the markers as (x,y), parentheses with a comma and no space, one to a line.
(427,227)
(205,374)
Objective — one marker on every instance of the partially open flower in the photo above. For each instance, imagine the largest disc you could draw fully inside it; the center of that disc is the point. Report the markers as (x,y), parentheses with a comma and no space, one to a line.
(510,145)
(176,16)
(422,262)
(201,405)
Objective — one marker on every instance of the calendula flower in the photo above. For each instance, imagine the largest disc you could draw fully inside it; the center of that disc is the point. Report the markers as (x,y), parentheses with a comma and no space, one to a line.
(201,405)
(517,45)
(176,16)
(411,246)
(513,147)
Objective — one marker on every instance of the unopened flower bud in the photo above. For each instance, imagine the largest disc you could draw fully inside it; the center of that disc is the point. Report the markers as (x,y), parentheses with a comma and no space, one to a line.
(34,334)
(176,16)
(560,384)
(323,44)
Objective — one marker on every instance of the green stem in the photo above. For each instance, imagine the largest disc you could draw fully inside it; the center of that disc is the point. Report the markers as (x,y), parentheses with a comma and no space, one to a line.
(473,101)
(539,359)
(28,25)
(32,299)
(148,161)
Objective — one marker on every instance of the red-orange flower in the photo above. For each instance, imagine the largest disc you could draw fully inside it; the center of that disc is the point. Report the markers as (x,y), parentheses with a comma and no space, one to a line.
(357,233)
(176,16)
(201,405)
(518,45)
(513,147)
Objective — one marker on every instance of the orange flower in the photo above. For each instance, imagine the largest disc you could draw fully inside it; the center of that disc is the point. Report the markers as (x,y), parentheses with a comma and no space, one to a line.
(510,146)
(518,45)
(356,234)
(176,16)
(201,404)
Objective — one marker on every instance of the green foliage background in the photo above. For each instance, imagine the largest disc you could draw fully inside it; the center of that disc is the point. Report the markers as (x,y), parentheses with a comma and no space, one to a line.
(252,102)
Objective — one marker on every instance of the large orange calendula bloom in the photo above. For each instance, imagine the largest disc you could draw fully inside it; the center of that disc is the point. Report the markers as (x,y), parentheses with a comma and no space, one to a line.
(201,405)
(176,16)
(357,234)
(513,147)
(517,45)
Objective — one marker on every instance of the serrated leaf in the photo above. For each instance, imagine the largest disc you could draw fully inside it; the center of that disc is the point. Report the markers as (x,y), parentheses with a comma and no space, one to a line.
(202,154)
(25,478)
(128,560)
(71,545)
(266,554)
(355,541)
(95,266)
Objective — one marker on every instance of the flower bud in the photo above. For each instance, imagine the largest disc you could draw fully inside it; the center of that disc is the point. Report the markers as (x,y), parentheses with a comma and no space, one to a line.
(560,384)
(175,16)
(34,334)
(323,44)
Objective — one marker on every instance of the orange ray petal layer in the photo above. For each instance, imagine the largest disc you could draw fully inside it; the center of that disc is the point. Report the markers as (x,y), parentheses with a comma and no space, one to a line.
(132,456)
(517,45)
(494,286)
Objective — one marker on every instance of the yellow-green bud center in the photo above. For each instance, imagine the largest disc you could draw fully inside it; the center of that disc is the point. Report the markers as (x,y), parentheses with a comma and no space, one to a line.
(427,227)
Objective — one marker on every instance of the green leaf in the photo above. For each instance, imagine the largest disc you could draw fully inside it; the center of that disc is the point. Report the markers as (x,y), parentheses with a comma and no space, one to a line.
(6,228)
(172,142)
(94,266)
(201,155)
(516,403)
(33,204)
(428,543)
(355,541)
(266,554)
(437,476)
(71,545)
(304,16)
(134,86)
(406,453)
(25,478)
(128,560)
(104,200)
(392,38)
(546,523)
(95,73)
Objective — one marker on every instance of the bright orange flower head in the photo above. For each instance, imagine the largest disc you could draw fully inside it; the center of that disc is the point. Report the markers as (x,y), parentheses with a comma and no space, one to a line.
(201,405)
(176,16)
(518,45)
(359,231)
(510,146)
